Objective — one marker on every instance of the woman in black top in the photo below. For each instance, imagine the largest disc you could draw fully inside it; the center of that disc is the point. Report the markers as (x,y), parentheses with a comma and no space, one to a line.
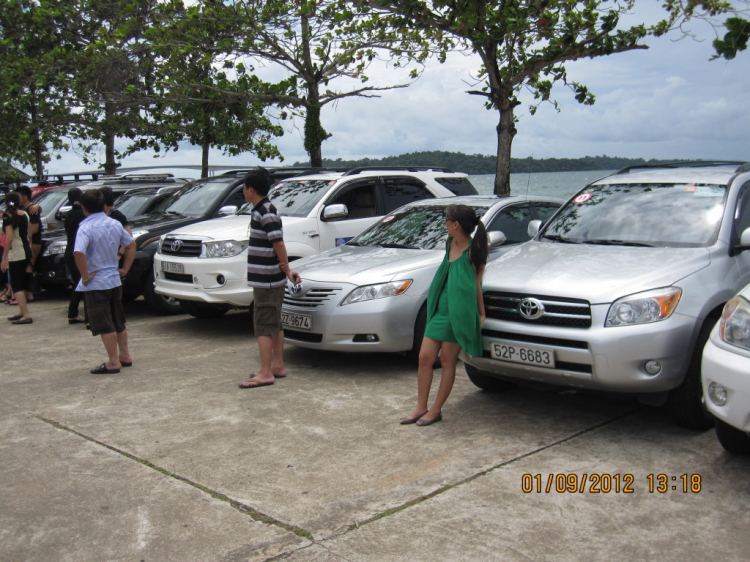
(72,220)
(16,253)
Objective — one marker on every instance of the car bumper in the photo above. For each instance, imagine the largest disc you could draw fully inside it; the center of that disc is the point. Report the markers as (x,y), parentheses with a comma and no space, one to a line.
(596,358)
(213,281)
(389,320)
(728,366)
(53,272)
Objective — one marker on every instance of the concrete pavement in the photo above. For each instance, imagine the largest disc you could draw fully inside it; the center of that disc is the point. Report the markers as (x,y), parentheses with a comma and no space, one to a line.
(170,460)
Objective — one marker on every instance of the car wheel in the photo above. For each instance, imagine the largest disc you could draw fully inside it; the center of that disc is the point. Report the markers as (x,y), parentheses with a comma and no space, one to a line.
(732,439)
(686,403)
(204,311)
(487,382)
(160,303)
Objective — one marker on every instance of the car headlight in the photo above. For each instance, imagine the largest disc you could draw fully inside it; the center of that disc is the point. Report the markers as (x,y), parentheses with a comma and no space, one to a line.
(643,308)
(223,248)
(379,291)
(55,249)
(734,327)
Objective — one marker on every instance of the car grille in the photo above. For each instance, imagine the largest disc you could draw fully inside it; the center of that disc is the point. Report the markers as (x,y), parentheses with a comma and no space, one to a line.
(567,313)
(190,248)
(180,277)
(315,297)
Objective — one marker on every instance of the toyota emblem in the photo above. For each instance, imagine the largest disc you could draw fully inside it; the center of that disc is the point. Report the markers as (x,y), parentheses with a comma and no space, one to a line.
(296,290)
(531,309)
(176,245)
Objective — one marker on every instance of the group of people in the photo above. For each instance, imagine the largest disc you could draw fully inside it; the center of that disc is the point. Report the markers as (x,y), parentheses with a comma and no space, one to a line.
(101,250)
(455,308)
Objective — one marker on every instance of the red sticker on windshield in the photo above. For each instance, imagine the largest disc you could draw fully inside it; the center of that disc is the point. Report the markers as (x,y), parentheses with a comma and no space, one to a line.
(691,188)
(389,219)
(582,198)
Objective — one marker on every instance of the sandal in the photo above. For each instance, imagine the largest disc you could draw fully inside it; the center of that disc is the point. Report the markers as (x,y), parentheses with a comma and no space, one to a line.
(12,302)
(77,320)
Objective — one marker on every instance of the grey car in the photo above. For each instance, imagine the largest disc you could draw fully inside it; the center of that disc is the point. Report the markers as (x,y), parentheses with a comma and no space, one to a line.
(369,295)
(621,288)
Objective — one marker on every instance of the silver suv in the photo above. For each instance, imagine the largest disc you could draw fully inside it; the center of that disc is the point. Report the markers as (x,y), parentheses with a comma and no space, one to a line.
(620,289)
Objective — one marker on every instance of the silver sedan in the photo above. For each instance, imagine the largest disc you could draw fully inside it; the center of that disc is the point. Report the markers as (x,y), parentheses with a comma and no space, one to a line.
(369,295)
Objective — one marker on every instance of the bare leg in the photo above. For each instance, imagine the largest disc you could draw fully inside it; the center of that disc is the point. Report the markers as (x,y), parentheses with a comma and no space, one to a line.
(110,344)
(277,364)
(122,345)
(23,307)
(428,354)
(448,360)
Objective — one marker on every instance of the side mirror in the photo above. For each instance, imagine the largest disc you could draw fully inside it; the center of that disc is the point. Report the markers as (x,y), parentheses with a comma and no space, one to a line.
(227,210)
(335,212)
(495,239)
(533,228)
(64,210)
(745,238)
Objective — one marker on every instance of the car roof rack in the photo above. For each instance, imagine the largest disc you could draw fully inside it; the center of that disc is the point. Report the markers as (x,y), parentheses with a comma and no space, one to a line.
(688,164)
(354,171)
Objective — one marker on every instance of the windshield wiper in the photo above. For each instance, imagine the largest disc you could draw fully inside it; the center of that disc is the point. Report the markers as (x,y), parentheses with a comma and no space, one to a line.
(400,246)
(558,238)
(618,243)
(173,213)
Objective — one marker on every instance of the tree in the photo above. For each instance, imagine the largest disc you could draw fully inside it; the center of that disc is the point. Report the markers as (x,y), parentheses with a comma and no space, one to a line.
(525,43)
(734,40)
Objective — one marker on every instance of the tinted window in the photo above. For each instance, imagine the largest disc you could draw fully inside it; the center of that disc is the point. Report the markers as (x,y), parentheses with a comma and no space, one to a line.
(195,199)
(513,222)
(359,199)
(237,198)
(544,212)
(295,198)
(50,200)
(742,215)
(400,191)
(458,186)
(670,215)
(131,205)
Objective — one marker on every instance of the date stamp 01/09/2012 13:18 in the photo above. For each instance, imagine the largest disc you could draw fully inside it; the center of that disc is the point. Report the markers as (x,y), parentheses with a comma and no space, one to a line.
(608,483)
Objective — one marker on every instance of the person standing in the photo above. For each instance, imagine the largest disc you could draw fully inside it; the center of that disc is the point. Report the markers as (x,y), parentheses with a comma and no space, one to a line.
(97,242)
(73,220)
(455,311)
(267,272)
(34,213)
(17,254)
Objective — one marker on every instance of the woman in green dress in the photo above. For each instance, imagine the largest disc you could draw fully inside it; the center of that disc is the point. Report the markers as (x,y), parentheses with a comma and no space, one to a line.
(455,311)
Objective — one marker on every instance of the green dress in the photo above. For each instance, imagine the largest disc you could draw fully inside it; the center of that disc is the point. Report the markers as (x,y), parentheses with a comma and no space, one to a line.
(452,312)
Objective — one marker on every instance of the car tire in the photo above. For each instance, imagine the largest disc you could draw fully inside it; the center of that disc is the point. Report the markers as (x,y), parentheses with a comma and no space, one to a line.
(487,382)
(159,303)
(732,439)
(686,404)
(204,311)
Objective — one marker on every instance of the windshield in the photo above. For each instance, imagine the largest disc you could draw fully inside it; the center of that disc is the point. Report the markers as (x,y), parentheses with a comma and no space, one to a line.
(677,215)
(195,199)
(131,205)
(415,227)
(50,200)
(295,198)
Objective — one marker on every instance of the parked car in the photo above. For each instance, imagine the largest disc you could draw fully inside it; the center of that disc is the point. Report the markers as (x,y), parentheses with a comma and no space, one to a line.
(141,201)
(205,265)
(619,291)
(726,374)
(50,181)
(370,294)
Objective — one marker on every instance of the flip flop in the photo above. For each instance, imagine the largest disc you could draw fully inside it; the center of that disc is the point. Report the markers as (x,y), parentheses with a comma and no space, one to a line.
(281,376)
(12,302)
(407,421)
(78,320)
(126,363)
(422,423)
(103,370)
(254,383)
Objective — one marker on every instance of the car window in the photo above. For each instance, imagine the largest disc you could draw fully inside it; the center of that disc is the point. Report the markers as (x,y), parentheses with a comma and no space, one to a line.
(50,200)
(742,213)
(513,222)
(398,191)
(667,215)
(195,199)
(458,186)
(295,198)
(545,211)
(236,198)
(130,205)
(359,198)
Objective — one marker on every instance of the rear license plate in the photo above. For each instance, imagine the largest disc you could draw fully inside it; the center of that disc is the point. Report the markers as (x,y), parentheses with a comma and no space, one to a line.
(296,320)
(528,354)
(170,267)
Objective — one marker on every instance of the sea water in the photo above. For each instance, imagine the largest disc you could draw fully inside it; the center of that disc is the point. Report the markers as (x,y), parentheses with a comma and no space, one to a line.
(550,184)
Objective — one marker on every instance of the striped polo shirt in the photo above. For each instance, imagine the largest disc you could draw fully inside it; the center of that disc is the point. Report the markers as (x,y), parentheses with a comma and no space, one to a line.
(263,269)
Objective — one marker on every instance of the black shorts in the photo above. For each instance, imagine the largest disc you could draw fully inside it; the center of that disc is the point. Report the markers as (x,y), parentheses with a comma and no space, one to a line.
(105,312)
(267,311)
(19,280)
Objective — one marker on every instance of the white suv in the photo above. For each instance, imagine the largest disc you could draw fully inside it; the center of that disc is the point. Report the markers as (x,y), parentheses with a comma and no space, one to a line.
(204,265)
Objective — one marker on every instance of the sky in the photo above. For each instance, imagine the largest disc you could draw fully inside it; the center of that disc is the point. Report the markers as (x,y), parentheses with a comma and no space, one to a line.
(666,102)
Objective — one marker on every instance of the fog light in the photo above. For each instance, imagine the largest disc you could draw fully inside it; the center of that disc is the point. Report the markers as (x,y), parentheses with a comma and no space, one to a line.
(220,279)
(717,394)
(652,367)
(359,338)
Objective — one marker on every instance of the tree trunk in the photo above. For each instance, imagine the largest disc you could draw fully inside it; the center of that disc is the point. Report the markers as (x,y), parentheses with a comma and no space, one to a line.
(37,144)
(204,156)
(314,132)
(506,130)
(110,166)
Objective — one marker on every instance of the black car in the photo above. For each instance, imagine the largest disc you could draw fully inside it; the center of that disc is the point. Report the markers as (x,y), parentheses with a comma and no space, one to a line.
(196,201)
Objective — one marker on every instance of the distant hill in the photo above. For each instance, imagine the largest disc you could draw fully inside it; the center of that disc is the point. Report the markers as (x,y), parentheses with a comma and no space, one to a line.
(476,164)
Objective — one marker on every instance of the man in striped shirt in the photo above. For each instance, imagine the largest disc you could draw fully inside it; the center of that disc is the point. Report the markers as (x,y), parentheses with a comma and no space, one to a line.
(267,272)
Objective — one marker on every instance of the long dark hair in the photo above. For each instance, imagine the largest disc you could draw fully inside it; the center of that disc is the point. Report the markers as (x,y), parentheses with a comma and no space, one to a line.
(12,203)
(468,220)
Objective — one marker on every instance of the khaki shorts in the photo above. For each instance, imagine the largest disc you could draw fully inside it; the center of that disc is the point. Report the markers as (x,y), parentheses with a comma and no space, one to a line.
(105,312)
(267,311)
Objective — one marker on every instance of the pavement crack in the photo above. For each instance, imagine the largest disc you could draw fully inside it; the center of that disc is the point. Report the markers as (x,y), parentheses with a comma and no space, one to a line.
(239,506)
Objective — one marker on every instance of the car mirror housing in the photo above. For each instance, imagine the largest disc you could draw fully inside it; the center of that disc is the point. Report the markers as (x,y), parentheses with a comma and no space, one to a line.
(227,210)
(495,239)
(335,212)
(745,238)
(533,228)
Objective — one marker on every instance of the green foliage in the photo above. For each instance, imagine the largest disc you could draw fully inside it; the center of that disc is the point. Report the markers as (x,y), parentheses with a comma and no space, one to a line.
(735,39)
